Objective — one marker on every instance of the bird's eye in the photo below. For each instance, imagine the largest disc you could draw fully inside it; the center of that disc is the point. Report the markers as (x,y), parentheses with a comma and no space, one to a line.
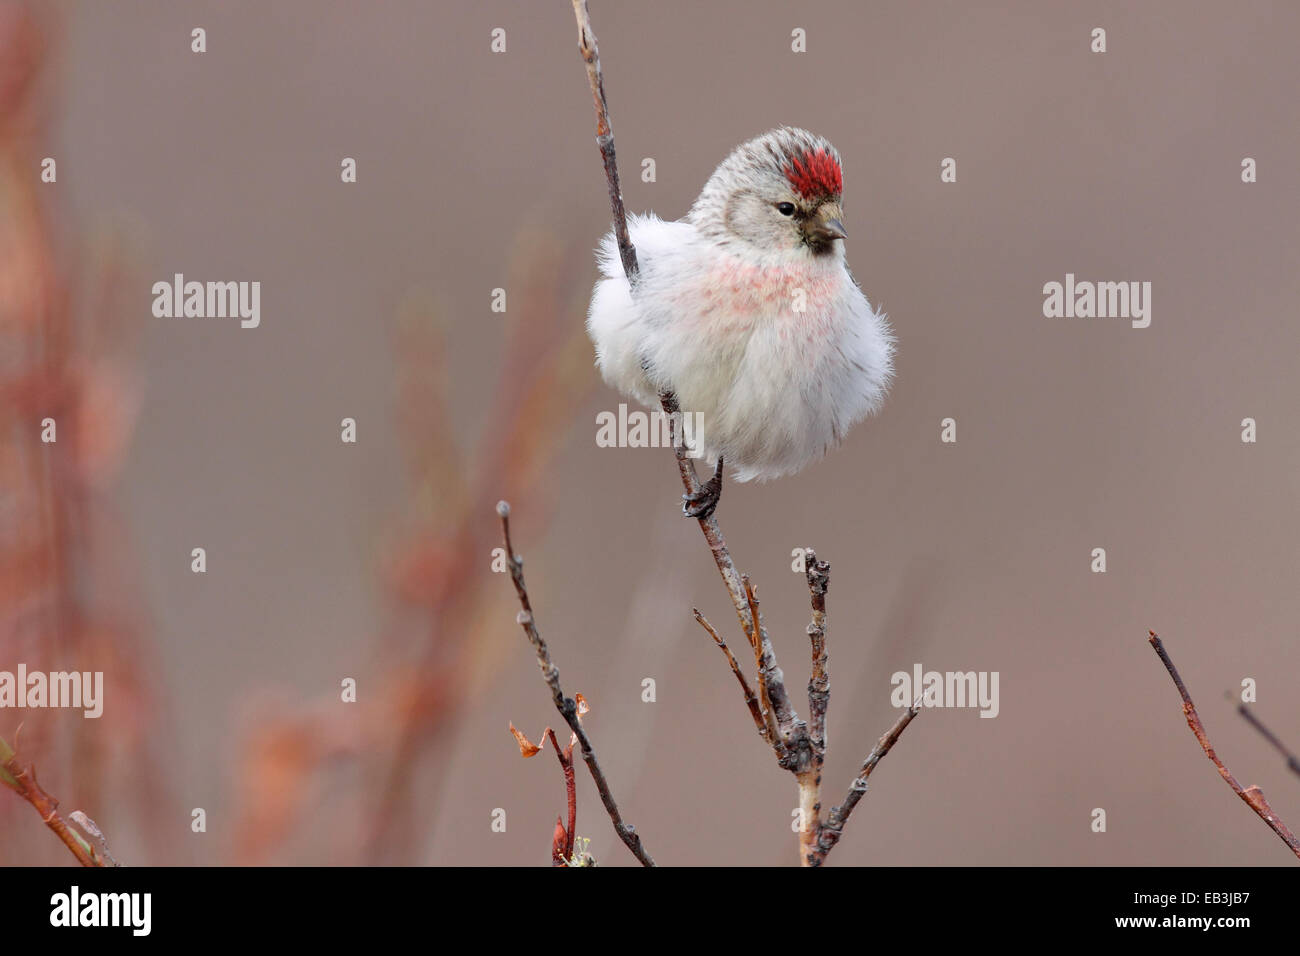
(785,208)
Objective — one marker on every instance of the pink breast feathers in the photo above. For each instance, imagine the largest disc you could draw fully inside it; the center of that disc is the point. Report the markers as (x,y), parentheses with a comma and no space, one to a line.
(736,293)
(815,175)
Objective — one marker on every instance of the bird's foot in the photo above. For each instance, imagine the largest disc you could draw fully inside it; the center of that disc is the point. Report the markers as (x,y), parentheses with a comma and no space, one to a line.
(702,504)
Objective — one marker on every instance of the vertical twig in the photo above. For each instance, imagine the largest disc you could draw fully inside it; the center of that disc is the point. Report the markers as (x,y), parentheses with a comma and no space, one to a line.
(819,684)
(1253,796)
(561,853)
(605,139)
(818,574)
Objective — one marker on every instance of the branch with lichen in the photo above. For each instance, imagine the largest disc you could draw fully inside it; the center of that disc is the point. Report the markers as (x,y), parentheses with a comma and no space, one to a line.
(1253,796)
(798,746)
(22,780)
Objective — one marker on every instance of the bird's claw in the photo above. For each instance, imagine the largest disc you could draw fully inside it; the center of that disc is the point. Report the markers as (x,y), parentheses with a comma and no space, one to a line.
(702,503)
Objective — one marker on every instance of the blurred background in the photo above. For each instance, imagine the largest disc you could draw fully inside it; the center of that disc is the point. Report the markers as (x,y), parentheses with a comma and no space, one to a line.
(476,171)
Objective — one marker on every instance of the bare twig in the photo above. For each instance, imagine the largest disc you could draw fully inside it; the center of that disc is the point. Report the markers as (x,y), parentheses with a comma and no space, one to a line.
(777,733)
(23,782)
(833,828)
(567,707)
(1292,762)
(750,700)
(561,852)
(605,139)
(731,578)
(1253,796)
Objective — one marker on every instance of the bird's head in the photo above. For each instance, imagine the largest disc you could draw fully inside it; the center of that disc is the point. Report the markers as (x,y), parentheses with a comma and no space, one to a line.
(779,193)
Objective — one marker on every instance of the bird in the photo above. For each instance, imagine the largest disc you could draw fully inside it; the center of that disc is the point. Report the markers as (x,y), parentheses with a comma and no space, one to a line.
(745,310)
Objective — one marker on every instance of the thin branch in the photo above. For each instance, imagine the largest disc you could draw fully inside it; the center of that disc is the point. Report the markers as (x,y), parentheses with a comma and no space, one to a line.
(23,782)
(750,700)
(792,732)
(605,139)
(731,578)
(774,733)
(833,829)
(567,707)
(560,854)
(1253,796)
(1292,762)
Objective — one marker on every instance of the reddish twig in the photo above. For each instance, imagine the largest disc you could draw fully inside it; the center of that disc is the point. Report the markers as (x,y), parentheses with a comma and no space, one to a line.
(1253,796)
(563,850)
(563,841)
(1292,762)
(23,782)
(567,706)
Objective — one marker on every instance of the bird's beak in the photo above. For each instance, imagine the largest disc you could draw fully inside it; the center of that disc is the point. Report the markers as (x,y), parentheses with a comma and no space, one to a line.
(826,224)
(834,229)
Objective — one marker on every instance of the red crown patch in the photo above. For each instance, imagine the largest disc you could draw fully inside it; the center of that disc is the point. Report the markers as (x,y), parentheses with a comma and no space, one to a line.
(815,174)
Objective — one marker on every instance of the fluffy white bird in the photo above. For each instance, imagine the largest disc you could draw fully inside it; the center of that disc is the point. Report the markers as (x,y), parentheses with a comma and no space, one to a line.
(746,311)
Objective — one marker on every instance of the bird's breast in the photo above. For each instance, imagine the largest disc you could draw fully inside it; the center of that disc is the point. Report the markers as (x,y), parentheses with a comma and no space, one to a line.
(736,297)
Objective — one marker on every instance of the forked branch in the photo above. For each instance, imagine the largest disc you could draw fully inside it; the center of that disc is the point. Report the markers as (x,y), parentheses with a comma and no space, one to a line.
(567,706)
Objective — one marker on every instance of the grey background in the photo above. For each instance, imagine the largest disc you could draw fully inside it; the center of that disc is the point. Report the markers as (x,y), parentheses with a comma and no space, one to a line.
(1073,434)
